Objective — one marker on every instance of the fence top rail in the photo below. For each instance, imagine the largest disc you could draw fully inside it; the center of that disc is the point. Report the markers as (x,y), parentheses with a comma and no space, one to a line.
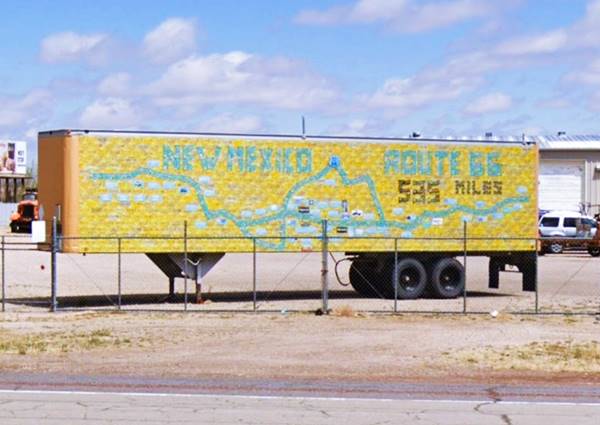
(9,243)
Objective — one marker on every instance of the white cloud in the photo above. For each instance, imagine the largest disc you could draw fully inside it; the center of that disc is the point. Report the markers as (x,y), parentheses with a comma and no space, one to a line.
(229,123)
(173,39)
(490,103)
(514,125)
(583,34)
(412,93)
(239,77)
(586,32)
(438,15)
(375,10)
(71,47)
(26,111)
(549,42)
(333,16)
(590,75)
(555,103)
(403,15)
(593,102)
(449,81)
(110,113)
(532,130)
(118,84)
(360,127)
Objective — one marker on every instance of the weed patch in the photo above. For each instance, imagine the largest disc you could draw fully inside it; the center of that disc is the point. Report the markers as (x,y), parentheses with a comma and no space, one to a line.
(63,342)
(561,356)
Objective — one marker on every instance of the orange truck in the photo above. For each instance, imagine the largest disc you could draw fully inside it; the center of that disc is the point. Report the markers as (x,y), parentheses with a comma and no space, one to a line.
(27,211)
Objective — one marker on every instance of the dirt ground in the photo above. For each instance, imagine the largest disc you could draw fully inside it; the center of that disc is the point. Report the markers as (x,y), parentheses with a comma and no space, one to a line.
(343,346)
(350,344)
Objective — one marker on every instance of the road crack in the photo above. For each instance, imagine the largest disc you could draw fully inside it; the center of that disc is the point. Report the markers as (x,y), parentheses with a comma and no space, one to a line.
(495,399)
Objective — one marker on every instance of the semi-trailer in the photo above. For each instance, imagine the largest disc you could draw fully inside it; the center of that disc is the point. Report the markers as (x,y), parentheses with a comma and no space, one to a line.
(402,209)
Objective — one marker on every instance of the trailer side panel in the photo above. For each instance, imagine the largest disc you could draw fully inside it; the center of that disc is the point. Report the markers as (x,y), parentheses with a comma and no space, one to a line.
(280,189)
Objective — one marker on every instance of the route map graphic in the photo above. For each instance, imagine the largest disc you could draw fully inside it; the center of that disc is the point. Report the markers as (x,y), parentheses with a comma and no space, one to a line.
(279,192)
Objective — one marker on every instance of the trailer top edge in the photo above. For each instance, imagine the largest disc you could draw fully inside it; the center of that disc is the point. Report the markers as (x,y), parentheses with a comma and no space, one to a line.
(134,133)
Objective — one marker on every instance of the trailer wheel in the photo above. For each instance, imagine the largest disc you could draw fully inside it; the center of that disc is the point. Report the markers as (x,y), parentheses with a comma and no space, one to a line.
(363,278)
(556,248)
(447,278)
(412,279)
(594,251)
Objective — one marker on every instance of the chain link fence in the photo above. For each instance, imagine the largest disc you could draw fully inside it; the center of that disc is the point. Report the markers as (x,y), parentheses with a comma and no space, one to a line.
(25,274)
(317,278)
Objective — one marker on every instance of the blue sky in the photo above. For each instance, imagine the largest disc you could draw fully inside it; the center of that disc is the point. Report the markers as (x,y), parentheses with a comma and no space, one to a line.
(351,67)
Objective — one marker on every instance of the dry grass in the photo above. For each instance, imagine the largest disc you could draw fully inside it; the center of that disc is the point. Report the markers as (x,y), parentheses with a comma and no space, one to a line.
(344,311)
(59,342)
(561,356)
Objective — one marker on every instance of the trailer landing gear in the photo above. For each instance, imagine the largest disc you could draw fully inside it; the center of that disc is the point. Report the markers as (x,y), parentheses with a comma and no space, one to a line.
(198,265)
(526,264)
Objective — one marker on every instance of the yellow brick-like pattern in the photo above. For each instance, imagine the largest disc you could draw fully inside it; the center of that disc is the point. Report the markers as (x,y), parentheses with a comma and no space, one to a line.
(148,187)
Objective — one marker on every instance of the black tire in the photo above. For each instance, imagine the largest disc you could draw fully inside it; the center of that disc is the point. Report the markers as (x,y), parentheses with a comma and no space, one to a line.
(14,227)
(447,278)
(594,251)
(363,278)
(555,248)
(412,279)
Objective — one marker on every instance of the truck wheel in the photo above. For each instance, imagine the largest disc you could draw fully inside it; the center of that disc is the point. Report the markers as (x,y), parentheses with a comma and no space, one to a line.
(556,248)
(447,278)
(14,227)
(594,251)
(412,279)
(363,278)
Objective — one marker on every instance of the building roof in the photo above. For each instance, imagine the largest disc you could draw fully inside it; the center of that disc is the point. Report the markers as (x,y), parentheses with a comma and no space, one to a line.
(554,142)
(567,142)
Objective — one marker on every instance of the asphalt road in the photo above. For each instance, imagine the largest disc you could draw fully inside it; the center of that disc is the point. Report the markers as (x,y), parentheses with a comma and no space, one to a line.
(57,399)
(47,407)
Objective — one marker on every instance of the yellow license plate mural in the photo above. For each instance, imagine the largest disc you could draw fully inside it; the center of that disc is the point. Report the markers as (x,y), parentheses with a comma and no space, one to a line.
(227,190)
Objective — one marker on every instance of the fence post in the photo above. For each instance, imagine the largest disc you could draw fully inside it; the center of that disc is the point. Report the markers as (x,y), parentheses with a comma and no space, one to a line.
(324,267)
(465,266)
(53,273)
(185,267)
(537,271)
(119,273)
(254,274)
(395,275)
(3,279)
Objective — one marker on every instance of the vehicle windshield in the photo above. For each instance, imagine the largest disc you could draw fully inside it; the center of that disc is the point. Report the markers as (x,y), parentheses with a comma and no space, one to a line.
(549,222)
(590,222)
(29,197)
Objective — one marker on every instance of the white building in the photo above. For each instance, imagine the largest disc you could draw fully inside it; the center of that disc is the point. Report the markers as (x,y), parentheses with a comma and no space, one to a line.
(569,173)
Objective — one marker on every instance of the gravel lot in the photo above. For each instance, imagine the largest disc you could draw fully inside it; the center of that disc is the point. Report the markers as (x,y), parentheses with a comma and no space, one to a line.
(350,344)
(360,348)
